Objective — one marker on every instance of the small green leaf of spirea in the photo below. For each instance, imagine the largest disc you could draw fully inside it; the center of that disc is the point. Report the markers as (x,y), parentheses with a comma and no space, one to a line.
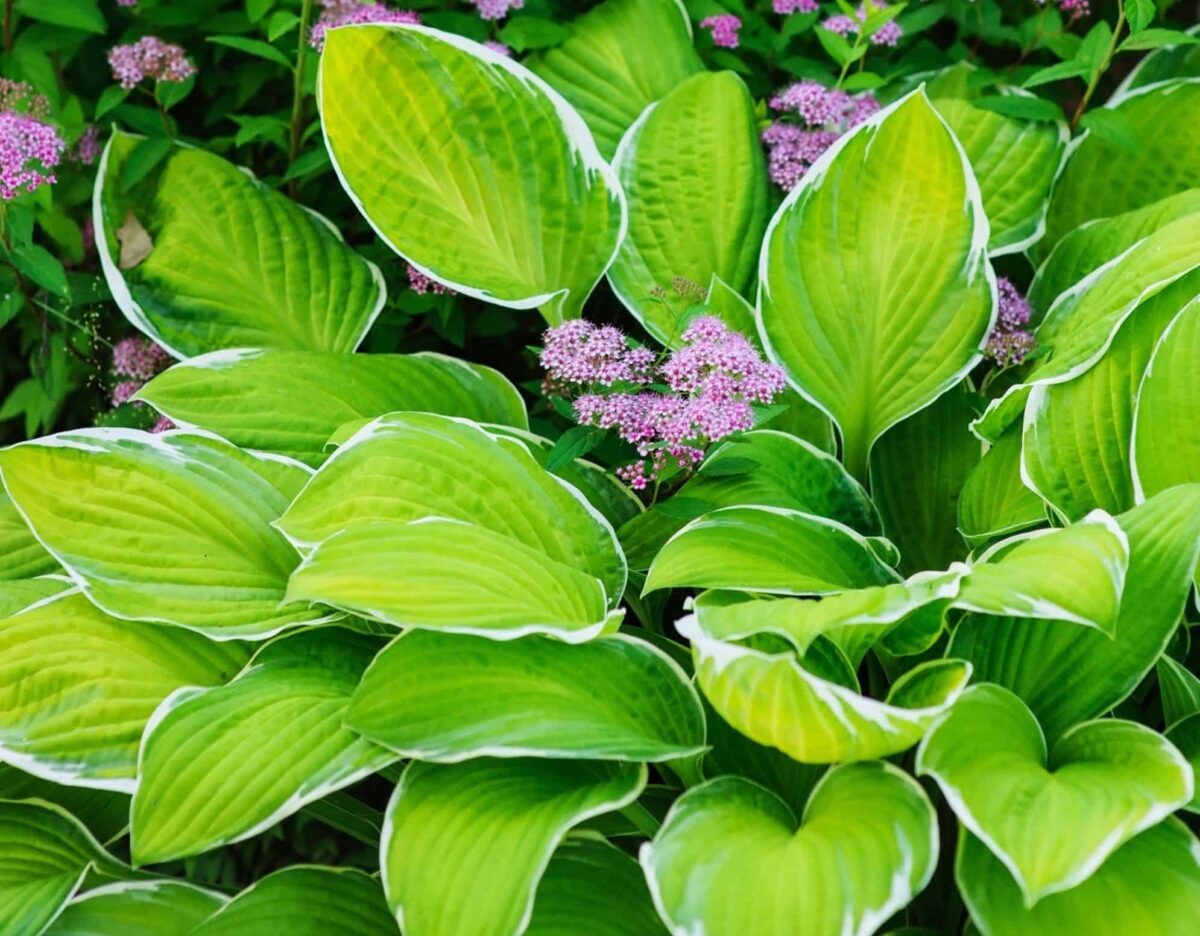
(574,443)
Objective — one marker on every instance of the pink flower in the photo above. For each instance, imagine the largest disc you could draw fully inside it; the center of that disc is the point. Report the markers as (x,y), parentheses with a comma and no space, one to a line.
(784,7)
(138,358)
(162,425)
(1009,342)
(724,29)
(422,284)
(1014,308)
(352,13)
(149,57)
(496,9)
(826,113)
(127,3)
(87,147)
(887,35)
(29,151)
(1077,8)
(580,353)
(499,48)
(124,390)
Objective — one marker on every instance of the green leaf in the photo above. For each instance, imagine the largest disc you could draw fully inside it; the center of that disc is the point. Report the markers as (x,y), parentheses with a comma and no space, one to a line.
(994,500)
(42,267)
(446,698)
(875,326)
(201,256)
(1141,13)
(220,765)
(74,14)
(623,55)
(1176,61)
(1185,735)
(107,813)
(694,177)
(255,47)
(1156,39)
(532,32)
(536,216)
(1051,816)
(1112,127)
(839,49)
(21,555)
(250,397)
(574,443)
(142,160)
(137,908)
(864,847)
(171,528)
(478,872)
(1057,72)
(1022,107)
(109,98)
(1179,689)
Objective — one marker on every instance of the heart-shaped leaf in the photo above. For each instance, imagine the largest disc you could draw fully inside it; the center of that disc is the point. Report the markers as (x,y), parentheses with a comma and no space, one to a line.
(21,555)
(994,500)
(137,908)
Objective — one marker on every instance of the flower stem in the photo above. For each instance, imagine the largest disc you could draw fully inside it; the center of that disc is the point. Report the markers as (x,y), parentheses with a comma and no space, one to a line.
(1094,82)
(298,90)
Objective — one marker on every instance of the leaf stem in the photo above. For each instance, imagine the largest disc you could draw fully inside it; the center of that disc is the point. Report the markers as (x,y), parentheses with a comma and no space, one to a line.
(298,90)
(1094,81)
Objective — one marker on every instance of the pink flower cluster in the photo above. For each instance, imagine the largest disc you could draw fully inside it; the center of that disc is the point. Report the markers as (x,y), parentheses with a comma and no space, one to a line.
(127,3)
(724,29)
(87,147)
(30,148)
(1010,342)
(886,35)
(1077,8)
(499,48)
(352,13)
(784,7)
(149,57)
(711,383)
(137,360)
(496,9)
(825,114)
(422,284)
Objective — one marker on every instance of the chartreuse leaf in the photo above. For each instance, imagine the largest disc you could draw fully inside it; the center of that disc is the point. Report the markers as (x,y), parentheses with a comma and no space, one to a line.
(865,845)
(305,900)
(1077,574)
(1164,163)
(994,500)
(21,555)
(1185,735)
(1179,690)
(466,844)
(1052,816)
(621,56)
(767,549)
(1166,434)
(520,219)
(1066,673)
(19,594)
(200,255)
(77,687)
(407,466)
(441,697)
(696,183)
(291,402)
(220,765)
(137,908)
(1149,886)
(875,290)
(172,527)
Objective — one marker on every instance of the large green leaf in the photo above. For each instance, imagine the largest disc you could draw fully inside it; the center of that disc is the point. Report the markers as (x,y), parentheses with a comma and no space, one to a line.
(220,765)
(1051,816)
(466,844)
(407,466)
(77,687)
(422,127)
(172,527)
(1178,689)
(21,555)
(105,813)
(1185,735)
(994,500)
(1164,163)
(1173,61)
(732,859)
(1150,886)
(875,290)
(200,255)
(137,908)
(696,182)
(440,697)
(620,57)
(291,402)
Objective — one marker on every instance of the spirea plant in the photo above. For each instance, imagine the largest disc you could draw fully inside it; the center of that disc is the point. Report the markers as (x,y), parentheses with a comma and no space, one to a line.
(615,469)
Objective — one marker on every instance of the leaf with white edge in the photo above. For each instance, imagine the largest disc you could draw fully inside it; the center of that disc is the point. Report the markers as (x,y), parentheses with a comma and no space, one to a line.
(520,219)
(200,255)
(767,549)
(1053,816)
(21,555)
(291,402)
(465,845)
(1179,689)
(18,594)
(694,177)
(865,845)
(221,765)
(1149,886)
(137,908)
(77,687)
(106,814)
(621,56)
(172,527)
(305,900)
(994,500)
(875,290)
(1177,61)
(1185,735)
(446,698)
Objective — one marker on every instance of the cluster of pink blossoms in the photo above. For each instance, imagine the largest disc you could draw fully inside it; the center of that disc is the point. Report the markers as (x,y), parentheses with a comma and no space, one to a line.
(149,57)
(784,7)
(127,3)
(30,148)
(1078,9)
(137,360)
(420,283)
(712,382)
(824,114)
(1010,342)
(886,35)
(496,9)
(87,147)
(724,29)
(352,13)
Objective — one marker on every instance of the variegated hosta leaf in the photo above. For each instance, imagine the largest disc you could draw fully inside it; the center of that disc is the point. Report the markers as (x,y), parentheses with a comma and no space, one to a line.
(291,402)
(763,468)
(21,555)
(1149,886)
(200,255)
(1083,321)
(1163,164)
(994,500)
(440,697)
(77,687)
(1179,690)
(1052,816)
(172,527)
(407,466)
(18,594)
(220,765)
(875,290)
(1077,574)
(137,908)
(305,900)
(770,550)
(696,182)
(1185,735)
(620,57)
(1066,673)
(419,125)
(453,576)
(465,844)
(106,814)
(732,859)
